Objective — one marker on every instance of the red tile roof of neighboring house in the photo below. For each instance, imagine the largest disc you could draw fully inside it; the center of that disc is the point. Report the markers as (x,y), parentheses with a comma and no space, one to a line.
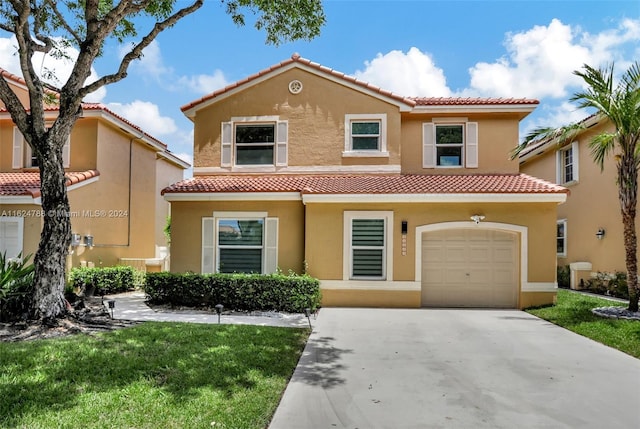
(410,101)
(369,184)
(28,183)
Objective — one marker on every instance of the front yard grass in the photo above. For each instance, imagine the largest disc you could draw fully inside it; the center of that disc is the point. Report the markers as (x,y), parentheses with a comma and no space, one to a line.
(154,375)
(573,312)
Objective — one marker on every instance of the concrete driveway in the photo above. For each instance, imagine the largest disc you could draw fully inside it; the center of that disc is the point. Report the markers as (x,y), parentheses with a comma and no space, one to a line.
(442,368)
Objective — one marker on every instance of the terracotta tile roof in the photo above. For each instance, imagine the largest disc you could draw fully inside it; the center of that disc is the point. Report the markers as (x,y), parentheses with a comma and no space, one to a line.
(410,101)
(28,183)
(460,101)
(370,184)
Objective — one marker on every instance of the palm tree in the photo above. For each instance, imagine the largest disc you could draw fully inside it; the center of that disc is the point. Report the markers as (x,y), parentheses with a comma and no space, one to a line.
(619,103)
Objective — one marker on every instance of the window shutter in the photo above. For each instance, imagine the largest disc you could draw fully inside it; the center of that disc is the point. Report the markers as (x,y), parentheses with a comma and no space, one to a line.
(576,169)
(271,245)
(18,141)
(281,143)
(208,245)
(428,146)
(226,145)
(471,154)
(558,167)
(66,153)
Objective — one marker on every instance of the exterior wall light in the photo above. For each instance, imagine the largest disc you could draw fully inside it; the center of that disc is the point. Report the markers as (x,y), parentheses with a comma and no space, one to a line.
(477,218)
(600,233)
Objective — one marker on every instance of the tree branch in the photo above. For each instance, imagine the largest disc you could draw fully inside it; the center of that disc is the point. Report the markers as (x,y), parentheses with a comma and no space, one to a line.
(63,21)
(136,51)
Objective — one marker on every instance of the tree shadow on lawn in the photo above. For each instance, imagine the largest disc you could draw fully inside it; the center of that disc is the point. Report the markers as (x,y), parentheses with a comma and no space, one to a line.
(177,358)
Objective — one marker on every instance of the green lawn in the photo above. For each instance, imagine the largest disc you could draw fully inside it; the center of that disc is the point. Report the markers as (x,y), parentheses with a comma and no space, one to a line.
(573,312)
(154,375)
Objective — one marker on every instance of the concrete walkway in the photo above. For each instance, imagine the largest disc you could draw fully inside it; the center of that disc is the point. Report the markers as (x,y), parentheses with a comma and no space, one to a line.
(456,368)
(132,306)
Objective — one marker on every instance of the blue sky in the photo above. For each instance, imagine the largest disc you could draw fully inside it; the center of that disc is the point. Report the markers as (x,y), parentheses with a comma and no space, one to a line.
(501,48)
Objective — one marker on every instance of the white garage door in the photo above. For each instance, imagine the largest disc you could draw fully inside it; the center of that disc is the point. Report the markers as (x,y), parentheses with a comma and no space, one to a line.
(470,268)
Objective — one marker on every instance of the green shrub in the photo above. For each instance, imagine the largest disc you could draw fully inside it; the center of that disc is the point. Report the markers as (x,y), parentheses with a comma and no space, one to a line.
(610,284)
(16,287)
(243,292)
(564,276)
(104,280)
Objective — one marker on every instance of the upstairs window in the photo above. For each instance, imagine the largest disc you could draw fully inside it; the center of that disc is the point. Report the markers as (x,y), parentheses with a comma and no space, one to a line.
(365,135)
(254,141)
(567,164)
(450,143)
(255,144)
(23,156)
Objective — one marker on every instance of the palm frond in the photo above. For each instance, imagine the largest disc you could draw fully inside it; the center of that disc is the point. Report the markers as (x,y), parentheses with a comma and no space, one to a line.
(542,135)
(602,145)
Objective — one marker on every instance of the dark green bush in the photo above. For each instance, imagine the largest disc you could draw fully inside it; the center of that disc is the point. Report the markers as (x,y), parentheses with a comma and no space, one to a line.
(103,281)
(610,284)
(243,292)
(16,287)
(564,276)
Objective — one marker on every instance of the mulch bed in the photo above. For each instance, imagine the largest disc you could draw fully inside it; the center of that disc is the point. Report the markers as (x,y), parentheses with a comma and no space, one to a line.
(88,317)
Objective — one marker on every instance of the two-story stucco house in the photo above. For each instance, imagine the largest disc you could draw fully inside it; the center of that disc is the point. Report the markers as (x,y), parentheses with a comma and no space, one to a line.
(115,172)
(388,200)
(589,225)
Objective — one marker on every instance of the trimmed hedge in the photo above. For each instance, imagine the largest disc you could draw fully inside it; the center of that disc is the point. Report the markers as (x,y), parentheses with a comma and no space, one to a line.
(243,292)
(103,280)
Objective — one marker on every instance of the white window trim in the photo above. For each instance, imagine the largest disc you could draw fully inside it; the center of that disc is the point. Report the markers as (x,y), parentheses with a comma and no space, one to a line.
(574,146)
(20,222)
(564,253)
(228,150)
(347,250)
(359,117)
(469,152)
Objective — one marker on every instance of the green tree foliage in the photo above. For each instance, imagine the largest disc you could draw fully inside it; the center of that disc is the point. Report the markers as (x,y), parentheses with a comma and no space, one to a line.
(52,26)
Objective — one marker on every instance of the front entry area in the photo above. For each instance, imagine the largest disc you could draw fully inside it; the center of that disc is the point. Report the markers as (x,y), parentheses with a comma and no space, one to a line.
(470,267)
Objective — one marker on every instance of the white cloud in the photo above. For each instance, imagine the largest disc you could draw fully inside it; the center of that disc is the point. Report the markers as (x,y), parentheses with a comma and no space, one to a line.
(204,83)
(540,62)
(150,64)
(410,74)
(147,116)
(46,65)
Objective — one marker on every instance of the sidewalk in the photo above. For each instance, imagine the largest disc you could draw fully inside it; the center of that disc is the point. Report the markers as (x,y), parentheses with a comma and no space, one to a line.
(132,306)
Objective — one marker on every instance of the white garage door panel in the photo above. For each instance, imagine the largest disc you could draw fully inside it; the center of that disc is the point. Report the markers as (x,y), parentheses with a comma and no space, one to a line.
(470,268)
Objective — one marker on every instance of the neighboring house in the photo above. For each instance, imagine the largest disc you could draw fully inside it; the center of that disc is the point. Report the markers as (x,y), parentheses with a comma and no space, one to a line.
(589,224)
(115,172)
(388,200)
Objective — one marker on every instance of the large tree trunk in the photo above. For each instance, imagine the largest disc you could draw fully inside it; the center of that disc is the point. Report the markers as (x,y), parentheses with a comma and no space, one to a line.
(50,260)
(628,194)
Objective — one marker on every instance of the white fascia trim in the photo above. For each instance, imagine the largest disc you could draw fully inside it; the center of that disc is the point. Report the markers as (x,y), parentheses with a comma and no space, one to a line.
(390,285)
(190,113)
(476,108)
(350,169)
(169,157)
(20,199)
(83,183)
(233,196)
(539,287)
(137,134)
(434,198)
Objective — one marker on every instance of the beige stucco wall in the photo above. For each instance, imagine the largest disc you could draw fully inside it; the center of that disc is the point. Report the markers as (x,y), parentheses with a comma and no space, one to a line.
(313,234)
(316,116)
(186,231)
(592,204)
(497,136)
